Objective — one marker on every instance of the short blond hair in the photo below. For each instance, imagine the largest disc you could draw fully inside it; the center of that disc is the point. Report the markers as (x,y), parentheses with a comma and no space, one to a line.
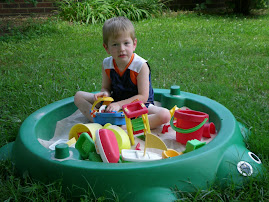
(114,26)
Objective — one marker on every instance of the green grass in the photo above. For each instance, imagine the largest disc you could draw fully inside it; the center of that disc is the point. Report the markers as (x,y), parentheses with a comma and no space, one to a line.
(224,58)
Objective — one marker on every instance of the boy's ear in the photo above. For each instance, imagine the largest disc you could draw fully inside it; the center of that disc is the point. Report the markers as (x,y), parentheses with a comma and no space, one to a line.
(106,48)
(135,43)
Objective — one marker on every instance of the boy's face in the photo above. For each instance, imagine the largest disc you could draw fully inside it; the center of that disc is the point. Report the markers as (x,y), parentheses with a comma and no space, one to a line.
(121,48)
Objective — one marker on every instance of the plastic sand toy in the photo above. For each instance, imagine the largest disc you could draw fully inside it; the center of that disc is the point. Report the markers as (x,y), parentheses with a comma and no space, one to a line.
(102,117)
(224,160)
(139,156)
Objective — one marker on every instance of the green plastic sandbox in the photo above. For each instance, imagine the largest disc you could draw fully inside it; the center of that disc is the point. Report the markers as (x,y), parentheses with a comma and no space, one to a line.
(224,160)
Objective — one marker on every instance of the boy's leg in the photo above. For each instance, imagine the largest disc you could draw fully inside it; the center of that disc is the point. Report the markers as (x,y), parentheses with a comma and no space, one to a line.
(84,101)
(158,116)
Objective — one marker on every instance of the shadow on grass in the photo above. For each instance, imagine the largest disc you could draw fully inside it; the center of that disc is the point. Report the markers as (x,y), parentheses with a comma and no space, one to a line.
(27,27)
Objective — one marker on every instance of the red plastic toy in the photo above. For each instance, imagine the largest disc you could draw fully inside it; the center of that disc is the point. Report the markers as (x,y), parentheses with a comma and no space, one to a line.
(107,146)
(137,124)
(190,125)
(135,109)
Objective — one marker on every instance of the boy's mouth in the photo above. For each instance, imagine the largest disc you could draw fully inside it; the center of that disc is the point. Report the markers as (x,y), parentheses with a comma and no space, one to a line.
(122,55)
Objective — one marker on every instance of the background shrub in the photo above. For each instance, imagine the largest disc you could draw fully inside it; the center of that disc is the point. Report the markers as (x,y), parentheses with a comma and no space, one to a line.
(98,11)
(244,6)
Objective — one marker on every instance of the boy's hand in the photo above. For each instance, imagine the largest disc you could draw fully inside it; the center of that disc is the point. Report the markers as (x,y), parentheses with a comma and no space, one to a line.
(101,94)
(113,107)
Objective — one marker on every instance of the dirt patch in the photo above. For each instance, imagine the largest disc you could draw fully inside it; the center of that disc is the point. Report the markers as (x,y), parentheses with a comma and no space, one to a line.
(9,23)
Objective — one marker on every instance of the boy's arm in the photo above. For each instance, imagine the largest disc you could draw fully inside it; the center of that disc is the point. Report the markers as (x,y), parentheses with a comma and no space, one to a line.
(143,90)
(142,84)
(106,86)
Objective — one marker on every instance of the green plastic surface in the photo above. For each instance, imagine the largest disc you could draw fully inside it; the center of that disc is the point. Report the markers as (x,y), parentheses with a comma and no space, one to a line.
(85,145)
(138,124)
(136,181)
(193,144)
(61,151)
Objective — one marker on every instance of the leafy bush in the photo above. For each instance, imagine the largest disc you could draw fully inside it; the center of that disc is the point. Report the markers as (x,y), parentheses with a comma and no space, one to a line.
(244,6)
(98,11)
(237,6)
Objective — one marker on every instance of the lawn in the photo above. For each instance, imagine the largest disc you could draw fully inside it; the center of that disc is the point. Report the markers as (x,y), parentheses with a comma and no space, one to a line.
(225,58)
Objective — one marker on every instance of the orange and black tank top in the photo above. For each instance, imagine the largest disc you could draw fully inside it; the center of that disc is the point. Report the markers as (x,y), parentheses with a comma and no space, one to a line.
(124,84)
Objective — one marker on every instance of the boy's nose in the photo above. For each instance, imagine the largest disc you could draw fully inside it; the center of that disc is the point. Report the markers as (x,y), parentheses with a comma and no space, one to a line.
(122,47)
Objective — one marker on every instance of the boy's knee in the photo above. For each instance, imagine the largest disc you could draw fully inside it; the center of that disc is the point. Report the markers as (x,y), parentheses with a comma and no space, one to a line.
(77,97)
(164,115)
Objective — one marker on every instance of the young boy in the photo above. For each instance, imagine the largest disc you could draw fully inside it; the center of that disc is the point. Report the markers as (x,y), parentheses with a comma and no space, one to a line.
(125,75)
